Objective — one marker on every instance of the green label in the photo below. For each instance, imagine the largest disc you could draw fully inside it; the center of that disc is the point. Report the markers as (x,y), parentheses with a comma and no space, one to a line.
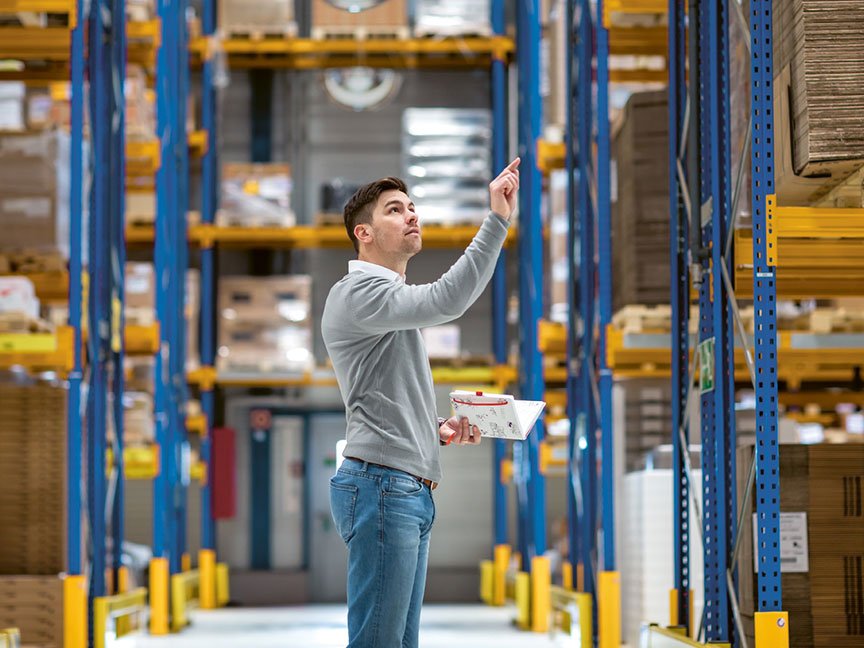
(706,365)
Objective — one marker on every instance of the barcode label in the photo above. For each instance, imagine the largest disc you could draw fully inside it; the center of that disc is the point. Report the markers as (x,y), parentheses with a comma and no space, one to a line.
(794,552)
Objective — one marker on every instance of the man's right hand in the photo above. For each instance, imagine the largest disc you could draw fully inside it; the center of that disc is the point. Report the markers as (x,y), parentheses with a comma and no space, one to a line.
(504,190)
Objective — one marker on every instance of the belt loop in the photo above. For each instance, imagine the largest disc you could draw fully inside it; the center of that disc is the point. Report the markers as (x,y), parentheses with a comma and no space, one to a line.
(365,466)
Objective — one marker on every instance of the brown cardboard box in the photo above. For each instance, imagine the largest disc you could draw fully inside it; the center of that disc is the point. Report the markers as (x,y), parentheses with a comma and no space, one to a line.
(824,482)
(260,16)
(254,298)
(33,466)
(193,318)
(390,17)
(34,605)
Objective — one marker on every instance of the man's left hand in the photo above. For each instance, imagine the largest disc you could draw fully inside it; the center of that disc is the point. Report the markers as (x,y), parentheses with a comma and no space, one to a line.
(456,430)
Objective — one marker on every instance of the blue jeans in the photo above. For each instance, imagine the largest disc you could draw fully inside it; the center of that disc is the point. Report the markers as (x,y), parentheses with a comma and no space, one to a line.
(385,517)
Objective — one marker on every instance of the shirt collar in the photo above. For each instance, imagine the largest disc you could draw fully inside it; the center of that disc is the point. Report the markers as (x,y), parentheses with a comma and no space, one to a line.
(374,269)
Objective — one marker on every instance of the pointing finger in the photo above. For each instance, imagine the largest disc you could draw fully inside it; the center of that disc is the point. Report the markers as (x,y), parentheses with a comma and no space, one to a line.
(513,165)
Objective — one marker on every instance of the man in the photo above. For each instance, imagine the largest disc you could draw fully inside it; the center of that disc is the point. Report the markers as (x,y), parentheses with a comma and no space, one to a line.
(381,496)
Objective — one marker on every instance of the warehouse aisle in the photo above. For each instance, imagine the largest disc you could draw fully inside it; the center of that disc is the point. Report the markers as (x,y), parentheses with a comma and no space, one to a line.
(323,626)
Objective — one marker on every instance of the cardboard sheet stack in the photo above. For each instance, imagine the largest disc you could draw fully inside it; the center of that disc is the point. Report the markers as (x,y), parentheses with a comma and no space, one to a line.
(256,18)
(821,42)
(265,325)
(640,233)
(822,525)
(256,195)
(33,469)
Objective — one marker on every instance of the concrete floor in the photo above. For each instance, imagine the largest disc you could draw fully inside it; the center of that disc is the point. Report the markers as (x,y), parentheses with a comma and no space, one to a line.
(323,626)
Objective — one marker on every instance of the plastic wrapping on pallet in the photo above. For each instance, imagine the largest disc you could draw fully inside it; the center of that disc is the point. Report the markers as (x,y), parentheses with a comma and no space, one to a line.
(447,164)
(452,17)
(256,195)
(259,17)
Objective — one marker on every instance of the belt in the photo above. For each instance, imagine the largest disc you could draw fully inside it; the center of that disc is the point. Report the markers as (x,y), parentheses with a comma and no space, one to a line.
(426,482)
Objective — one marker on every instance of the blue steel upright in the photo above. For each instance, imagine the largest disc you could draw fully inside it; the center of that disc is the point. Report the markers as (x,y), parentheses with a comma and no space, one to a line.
(604,282)
(167,308)
(574,488)
(499,279)
(117,260)
(765,298)
(209,204)
(179,384)
(718,415)
(680,301)
(586,418)
(74,432)
(531,270)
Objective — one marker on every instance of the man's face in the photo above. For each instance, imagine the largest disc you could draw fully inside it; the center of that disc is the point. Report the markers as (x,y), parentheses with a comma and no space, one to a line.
(395,226)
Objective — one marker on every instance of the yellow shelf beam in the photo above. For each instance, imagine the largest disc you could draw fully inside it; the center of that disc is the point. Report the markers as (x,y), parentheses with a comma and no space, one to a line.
(207,377)
(303,236)
(197,424)
(53,43)
(38,352)
(550,155)
(638,41)
(306,53)
(817,252)
(142,340)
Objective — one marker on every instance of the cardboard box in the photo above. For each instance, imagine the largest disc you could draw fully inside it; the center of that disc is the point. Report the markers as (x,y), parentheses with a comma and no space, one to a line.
(260,16)
(389,17)
(34,605)
(820,493)
(452,17)
(263,298)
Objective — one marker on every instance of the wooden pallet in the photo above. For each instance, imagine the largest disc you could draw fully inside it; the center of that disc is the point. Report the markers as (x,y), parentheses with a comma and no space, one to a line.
(467,31)
(643,319)
(31,261)
(21,323)
(360,32)
(262,32)
(835,320)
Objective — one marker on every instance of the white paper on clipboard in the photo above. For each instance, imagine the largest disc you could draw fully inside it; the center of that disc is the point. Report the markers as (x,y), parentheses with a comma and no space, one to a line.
(499,416)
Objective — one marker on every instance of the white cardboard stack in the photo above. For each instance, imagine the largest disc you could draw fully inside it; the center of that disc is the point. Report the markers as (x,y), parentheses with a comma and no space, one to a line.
(647,554)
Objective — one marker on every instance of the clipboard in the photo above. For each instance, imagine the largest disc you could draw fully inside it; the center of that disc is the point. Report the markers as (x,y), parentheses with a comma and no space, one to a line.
(499,416)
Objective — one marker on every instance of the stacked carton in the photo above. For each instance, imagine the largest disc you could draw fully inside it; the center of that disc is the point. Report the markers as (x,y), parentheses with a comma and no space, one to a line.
(256,18)
(33,471)
(265,325)
(34,605)
(822,527)
(359,18)
(34,192)
(641,212)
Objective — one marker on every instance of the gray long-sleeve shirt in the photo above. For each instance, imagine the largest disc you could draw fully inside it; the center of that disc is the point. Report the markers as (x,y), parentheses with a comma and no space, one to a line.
(371,328)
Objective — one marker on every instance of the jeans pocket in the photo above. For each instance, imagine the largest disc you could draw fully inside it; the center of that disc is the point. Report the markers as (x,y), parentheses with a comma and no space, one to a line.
(394,485)
(343,502)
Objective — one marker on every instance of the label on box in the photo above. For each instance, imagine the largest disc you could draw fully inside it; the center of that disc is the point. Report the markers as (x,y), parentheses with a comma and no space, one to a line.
(794,553)
(30,207)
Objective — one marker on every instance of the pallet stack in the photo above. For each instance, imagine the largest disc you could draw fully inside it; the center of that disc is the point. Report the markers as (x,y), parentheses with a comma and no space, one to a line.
(641,212)
(452,18)
(256,195)
(259,19)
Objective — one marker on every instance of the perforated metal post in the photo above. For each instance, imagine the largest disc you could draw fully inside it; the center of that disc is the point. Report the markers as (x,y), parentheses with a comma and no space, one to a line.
(680,300)
(718,414)
(765,310)
(531,265)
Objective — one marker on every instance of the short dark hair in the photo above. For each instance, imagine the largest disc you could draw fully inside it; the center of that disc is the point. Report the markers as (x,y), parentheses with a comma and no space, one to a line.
(361,205)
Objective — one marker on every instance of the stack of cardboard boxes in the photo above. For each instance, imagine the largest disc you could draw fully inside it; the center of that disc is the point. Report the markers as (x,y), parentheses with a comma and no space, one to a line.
(242,17)
(359,18)
(822,544)
(33,508)
(640,235)
(265,325)
(452,18)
